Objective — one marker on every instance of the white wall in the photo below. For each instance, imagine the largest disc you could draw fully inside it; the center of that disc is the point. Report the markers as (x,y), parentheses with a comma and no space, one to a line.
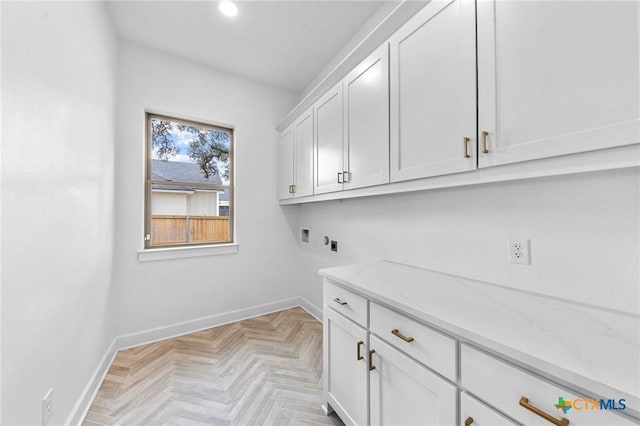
(169,203)
(58,103)
(204,203)
(584,235)
(155,294)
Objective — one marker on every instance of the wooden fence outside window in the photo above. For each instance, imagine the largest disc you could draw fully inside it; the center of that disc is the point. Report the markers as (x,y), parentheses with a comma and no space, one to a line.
(176,229)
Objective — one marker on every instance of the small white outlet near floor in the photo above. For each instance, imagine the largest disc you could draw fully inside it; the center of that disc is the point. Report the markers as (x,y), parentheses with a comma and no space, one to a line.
(47,406)
(519,251)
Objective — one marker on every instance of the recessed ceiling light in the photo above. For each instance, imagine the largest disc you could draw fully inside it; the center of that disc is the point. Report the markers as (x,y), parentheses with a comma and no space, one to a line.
(228,8)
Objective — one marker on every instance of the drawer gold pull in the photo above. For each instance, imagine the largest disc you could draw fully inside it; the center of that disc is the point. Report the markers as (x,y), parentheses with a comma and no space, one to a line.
(468,421)
(484,142)
(524,402)
(371,366)
(359,355)
(397,333)
(466,147)
(339,301)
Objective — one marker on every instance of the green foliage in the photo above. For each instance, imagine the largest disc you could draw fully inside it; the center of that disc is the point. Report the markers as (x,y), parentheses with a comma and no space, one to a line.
(162,141)
(209,148)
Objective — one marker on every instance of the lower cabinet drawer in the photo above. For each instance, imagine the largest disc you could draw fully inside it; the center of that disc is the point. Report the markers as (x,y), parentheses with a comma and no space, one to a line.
(430,347)
(346,302)
(475,413)
(529,399)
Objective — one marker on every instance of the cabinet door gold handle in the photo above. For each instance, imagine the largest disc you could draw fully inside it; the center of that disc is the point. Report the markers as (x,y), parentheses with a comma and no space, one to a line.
(466,147)
(340,177)
(293,189)
(339,301)
(371,366)
(524,402)
(468,421)
(289,189)
(358,345)
(484,142)
(346,177)
(397,333)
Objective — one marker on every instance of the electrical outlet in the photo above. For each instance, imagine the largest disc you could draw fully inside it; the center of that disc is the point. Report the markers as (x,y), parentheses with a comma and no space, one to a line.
(519,251)
(334,245)
(47,406)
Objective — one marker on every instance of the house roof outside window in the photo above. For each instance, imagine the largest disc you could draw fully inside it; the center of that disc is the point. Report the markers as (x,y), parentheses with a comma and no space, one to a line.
(177,171)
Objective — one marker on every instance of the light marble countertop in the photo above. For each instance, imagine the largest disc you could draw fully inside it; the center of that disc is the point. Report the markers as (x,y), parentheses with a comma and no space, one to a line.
(586,348)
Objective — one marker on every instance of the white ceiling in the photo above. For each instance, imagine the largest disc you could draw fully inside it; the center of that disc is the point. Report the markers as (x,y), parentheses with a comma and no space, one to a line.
(281,43)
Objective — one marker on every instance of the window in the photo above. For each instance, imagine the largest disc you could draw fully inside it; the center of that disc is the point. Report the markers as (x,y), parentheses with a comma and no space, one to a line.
(189,183)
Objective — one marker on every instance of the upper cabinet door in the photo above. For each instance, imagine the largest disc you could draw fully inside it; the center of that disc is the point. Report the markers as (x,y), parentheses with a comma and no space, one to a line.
(303,136)
(556,78)
(366,119)
(328,124)
(285,164)
(433,92)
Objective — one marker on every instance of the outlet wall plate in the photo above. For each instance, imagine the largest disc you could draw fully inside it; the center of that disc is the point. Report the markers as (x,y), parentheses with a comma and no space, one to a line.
(519,251)
(305,235)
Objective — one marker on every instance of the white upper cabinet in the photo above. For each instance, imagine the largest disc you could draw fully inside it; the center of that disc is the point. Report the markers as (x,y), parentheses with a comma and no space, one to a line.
(295,158)
(352,128)
(285,164)
(328,150)
(433,92)
(465,85)
(556,78)
(303,166)
(366,120)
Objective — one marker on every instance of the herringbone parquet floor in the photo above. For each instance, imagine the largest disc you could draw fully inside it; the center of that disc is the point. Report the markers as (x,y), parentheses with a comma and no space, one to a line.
(261,371)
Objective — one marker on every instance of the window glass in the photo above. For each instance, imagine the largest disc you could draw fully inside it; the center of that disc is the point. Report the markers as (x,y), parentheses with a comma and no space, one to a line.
(189,188)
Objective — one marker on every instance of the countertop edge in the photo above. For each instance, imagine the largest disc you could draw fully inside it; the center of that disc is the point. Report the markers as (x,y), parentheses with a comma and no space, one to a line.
(541,367)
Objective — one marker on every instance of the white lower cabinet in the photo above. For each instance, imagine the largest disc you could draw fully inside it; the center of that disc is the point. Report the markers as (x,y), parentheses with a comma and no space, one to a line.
(532,400)
(403,392)
(368,381)
(430,347)
(384,366)
(346,376)
(474,412)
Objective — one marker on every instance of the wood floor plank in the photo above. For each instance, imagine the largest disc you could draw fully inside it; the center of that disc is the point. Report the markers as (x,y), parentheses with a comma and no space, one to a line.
(261,371)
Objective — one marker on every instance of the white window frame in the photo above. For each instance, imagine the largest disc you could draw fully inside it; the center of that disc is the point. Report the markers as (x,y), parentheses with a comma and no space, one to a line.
(184,250)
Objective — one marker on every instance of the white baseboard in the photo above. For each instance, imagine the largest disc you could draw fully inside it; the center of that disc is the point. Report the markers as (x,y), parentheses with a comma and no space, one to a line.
(161,333)
(312,309)
(79,411)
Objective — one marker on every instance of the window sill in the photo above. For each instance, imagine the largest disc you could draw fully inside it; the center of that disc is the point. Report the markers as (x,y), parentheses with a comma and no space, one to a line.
(151,255)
